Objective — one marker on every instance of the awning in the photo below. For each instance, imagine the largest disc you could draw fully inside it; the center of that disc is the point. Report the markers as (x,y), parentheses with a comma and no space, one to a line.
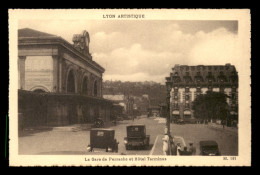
(176,112)
(187,113)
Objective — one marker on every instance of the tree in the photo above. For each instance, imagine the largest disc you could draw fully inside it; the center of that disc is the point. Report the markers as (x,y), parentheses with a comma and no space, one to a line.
(211,105)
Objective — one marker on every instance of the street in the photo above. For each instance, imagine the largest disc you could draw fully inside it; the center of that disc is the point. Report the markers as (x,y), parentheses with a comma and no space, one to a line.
(227,141)
(73,140)
(70,140)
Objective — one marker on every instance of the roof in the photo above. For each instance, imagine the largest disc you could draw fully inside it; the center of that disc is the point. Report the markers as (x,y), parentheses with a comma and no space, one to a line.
(77,97)
(114,97)
(203,71)
(208,143)
(27,32)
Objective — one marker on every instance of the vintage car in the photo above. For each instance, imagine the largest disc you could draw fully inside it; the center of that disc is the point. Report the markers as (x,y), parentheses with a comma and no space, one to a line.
(136,137)
(209,148)
(104,139)
(180,122)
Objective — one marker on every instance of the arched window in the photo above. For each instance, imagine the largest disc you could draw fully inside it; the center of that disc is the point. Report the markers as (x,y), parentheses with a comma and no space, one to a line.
(85,86)
(71,82)
(95,88)
(39,90)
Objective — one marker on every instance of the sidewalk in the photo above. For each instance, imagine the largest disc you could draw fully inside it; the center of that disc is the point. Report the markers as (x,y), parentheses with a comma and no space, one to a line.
(220,127)
(81,127)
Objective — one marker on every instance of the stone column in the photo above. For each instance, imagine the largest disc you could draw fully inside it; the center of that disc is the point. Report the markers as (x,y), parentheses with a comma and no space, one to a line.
(21,68)
(55,73)
(60,74)
(101,85)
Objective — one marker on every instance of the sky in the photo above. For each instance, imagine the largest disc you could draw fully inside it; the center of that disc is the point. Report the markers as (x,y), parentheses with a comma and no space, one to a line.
(147,50)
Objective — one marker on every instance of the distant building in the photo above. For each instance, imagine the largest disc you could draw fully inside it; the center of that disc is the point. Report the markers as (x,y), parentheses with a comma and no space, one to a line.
(153,111)
(123,100)
(141,103)
(190,81)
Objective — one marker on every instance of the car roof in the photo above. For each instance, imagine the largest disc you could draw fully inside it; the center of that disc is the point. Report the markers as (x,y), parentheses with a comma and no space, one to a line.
(135,125)
(101,129)
(208,143)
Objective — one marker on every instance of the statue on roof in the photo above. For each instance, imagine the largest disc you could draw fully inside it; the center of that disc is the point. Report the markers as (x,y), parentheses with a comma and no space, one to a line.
(81,42)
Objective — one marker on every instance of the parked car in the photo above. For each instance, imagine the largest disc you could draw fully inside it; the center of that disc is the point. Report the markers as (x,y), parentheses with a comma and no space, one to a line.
(191,121)
(126,117)
(209,148)
(180,122)
(98,123)
(136,137)
(104,139)
(119,118)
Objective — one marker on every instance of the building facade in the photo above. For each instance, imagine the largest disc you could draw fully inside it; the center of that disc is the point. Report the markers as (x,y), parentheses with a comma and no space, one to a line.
(49,64)
(187,82)
(124,100)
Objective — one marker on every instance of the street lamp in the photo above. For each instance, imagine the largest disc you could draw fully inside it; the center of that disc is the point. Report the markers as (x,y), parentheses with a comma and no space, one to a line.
(168,86)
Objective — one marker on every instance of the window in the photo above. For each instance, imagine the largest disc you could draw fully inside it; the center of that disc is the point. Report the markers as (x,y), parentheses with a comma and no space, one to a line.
(95,88)
(100,133)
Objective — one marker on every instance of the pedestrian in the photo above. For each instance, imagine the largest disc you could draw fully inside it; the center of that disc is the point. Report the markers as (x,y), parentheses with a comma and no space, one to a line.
(165,144)
(192,149)
(223,124)
(133,118)
(185,152)
(173,147)
(178,149)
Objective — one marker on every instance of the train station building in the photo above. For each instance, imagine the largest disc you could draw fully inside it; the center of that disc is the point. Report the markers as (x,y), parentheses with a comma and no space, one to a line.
(60,79)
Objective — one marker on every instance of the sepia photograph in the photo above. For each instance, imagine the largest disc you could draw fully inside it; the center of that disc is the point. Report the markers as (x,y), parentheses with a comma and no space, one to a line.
(130,87)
